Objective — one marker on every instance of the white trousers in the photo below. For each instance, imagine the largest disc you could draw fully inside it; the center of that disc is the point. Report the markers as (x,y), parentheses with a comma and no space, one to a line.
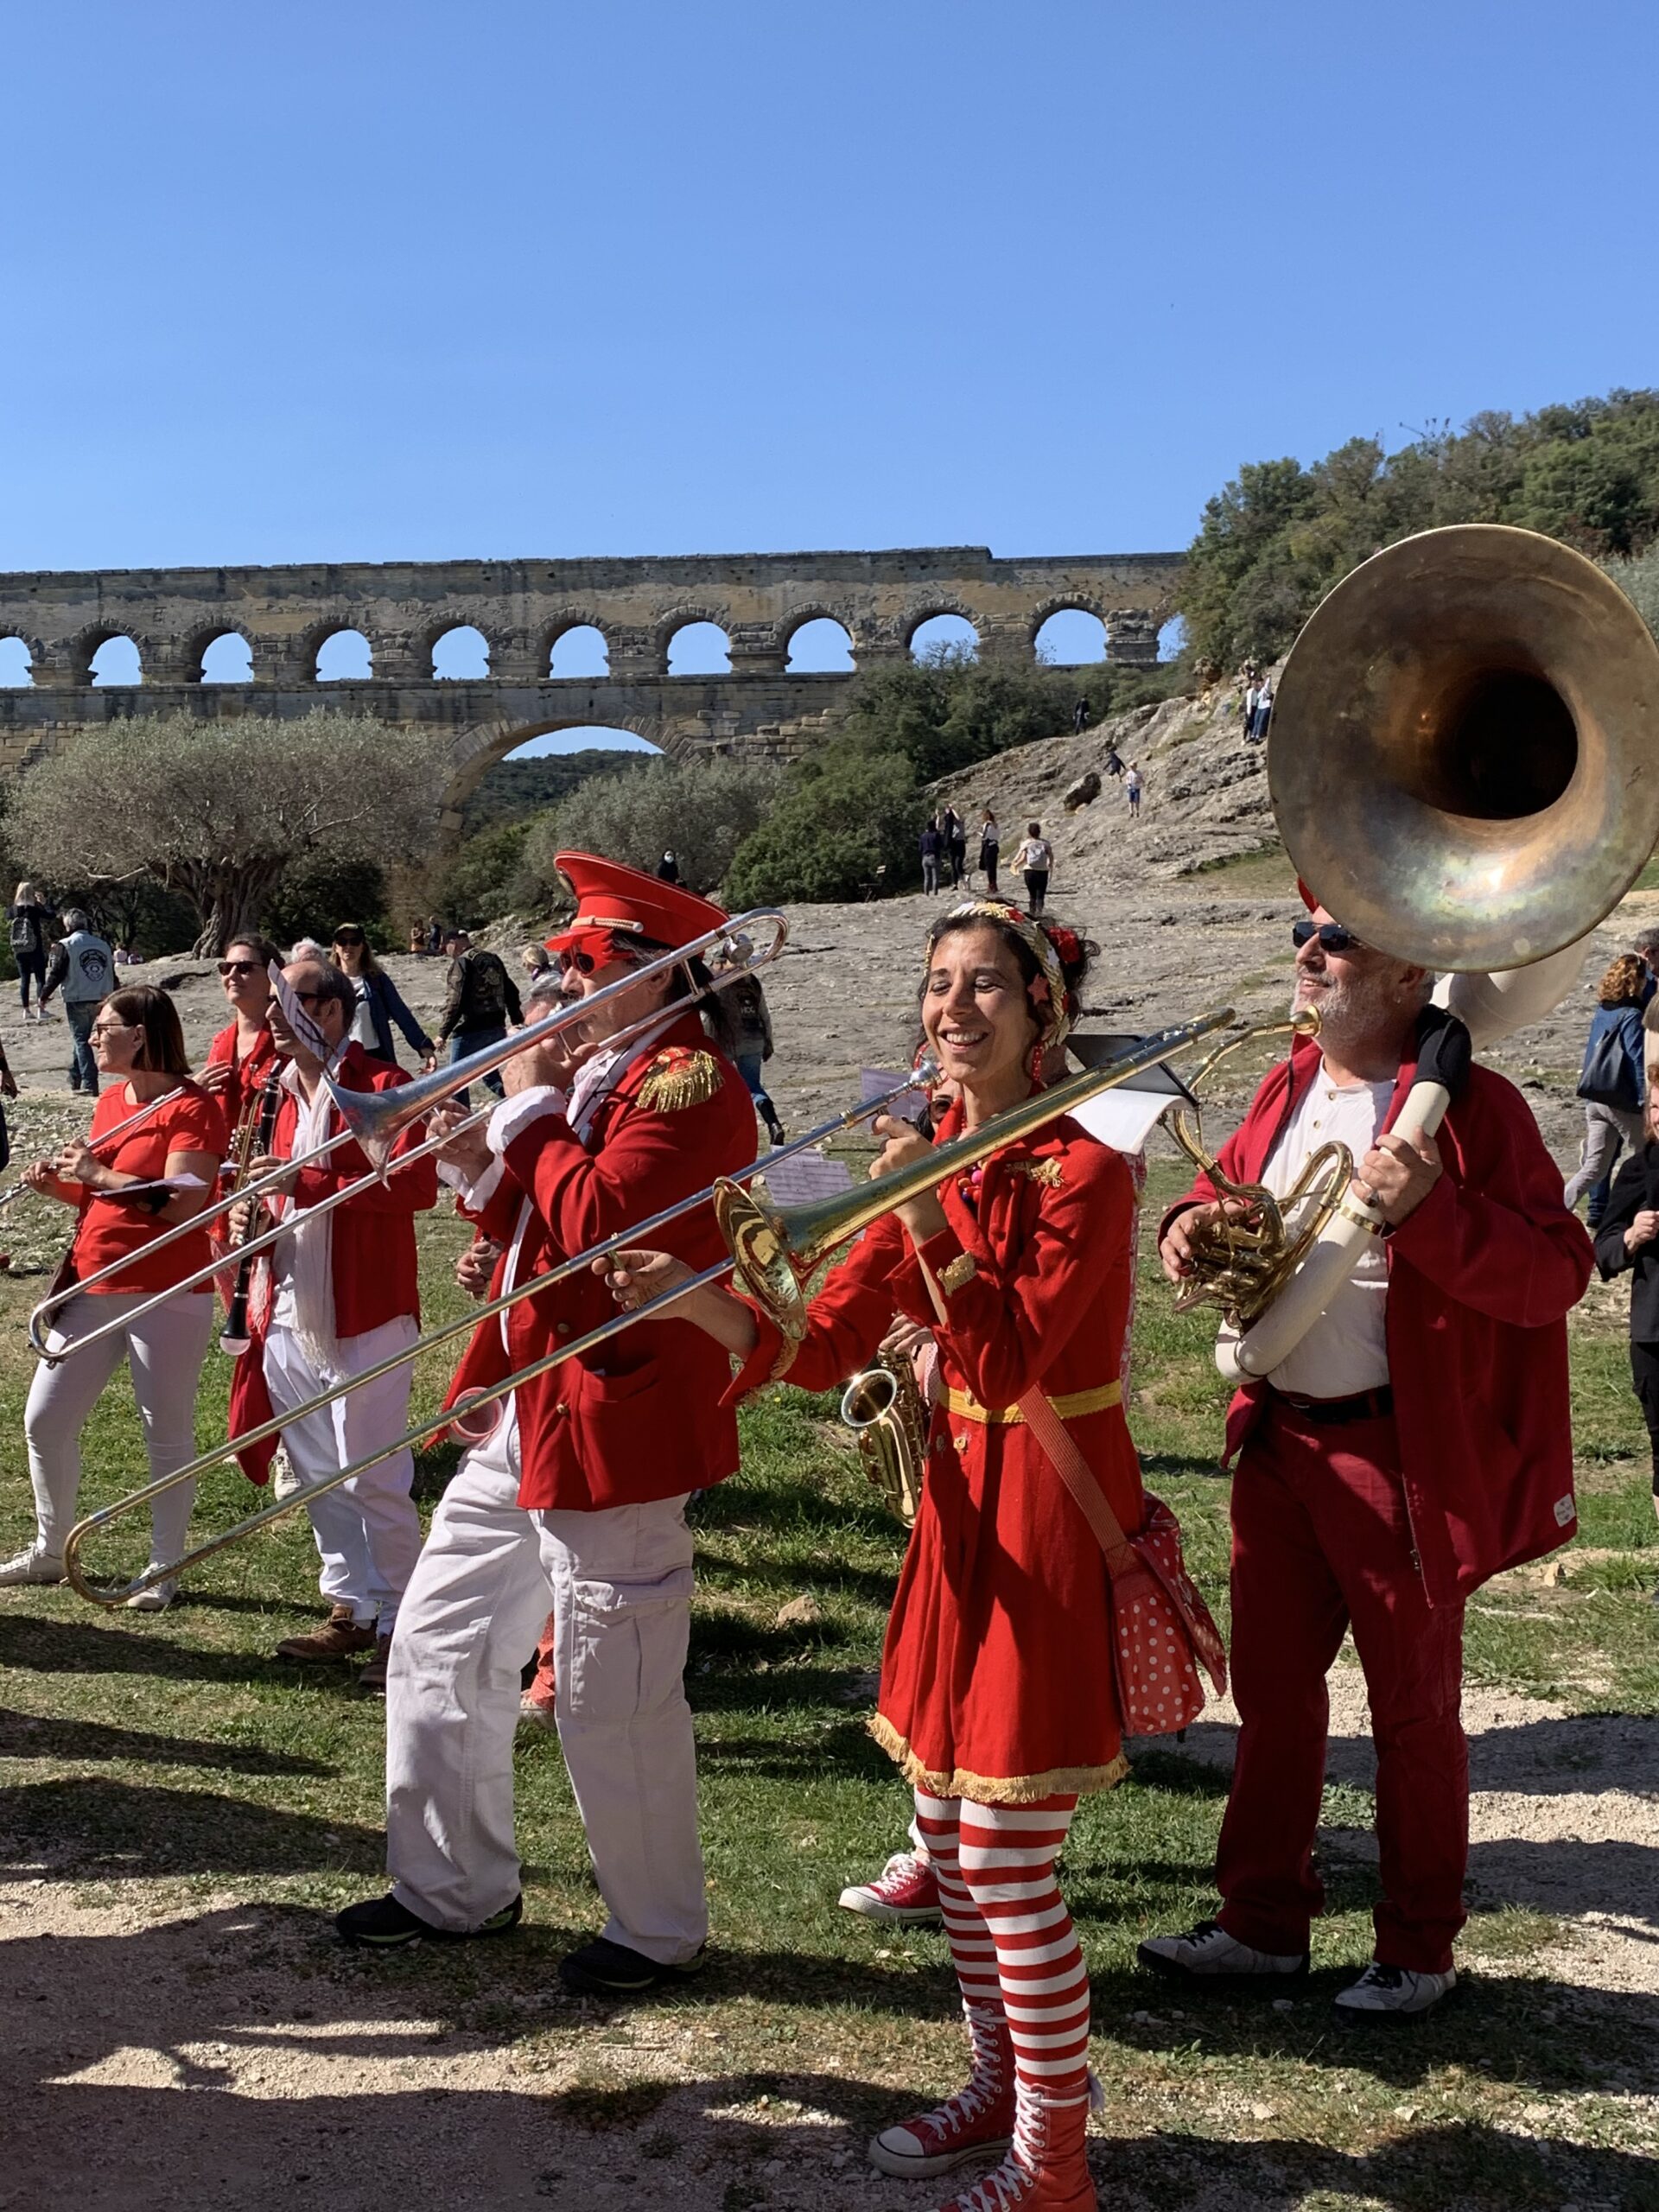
(368,1532)
(164,1352)
(618,1586)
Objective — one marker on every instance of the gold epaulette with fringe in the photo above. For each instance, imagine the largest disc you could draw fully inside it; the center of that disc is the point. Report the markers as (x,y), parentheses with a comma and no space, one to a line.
(679,1077)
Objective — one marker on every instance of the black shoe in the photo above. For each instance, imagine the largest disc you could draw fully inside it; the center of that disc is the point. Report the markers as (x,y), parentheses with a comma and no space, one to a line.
(606,1969)
(382,1924)
(778,1135)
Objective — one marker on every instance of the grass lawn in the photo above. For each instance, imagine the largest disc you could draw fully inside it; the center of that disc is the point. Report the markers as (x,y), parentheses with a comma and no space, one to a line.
(177,1752)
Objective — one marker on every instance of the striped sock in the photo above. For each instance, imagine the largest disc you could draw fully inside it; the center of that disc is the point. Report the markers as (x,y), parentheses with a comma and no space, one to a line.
(1005,1863)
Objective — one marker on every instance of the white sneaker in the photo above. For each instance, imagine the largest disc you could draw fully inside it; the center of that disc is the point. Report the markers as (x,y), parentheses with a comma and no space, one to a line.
(1384,1995)
(156,1598)
(285,1478)
(32,1566)
(1208,1952)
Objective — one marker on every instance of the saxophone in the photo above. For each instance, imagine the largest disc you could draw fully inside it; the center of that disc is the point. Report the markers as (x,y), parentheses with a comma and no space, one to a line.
(884,1409)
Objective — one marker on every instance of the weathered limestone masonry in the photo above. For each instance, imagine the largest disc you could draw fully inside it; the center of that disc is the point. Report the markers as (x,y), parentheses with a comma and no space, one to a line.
(522,608)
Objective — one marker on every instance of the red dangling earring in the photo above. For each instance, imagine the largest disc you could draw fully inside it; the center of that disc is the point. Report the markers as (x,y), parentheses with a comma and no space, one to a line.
(1037,1055)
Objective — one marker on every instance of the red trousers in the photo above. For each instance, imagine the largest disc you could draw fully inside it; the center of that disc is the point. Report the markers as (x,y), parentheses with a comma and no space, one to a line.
(1321,1540)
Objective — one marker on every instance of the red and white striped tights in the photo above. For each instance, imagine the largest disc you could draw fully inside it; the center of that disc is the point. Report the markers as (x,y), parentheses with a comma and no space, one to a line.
(1017,1955)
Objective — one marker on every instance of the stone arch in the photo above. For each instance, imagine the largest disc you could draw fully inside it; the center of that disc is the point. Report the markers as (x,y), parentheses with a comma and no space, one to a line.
(33,654)
(668,626)
(799,617)
(86,644)
(1068,602)
(316,635)
(937,603)
(429,652)
(560,626)
(201,641)
(425,637)
(476,749)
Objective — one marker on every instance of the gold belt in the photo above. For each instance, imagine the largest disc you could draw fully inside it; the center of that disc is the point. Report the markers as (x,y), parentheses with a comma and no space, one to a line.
(1071,1408)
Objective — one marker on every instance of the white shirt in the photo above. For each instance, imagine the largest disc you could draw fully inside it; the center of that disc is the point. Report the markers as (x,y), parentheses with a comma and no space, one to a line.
(1346,1350)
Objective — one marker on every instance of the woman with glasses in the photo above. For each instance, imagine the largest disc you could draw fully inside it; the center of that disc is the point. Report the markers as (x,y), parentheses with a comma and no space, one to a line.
(242,1055)
(159,1173)
(379,1002)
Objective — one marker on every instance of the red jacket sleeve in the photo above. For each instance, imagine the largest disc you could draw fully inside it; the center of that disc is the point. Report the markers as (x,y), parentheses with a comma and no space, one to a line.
(845,1322)
(1496,1235)
(1003,1329)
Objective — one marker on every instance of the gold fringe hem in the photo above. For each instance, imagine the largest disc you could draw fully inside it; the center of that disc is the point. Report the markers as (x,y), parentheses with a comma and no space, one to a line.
(996,1789)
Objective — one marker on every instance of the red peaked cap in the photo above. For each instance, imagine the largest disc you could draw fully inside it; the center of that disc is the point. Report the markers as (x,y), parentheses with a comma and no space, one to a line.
(616,903)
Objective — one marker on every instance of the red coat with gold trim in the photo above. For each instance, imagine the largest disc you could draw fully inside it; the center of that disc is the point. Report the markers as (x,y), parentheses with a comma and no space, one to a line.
(641,1417)
(996,1680)
(1481,1278)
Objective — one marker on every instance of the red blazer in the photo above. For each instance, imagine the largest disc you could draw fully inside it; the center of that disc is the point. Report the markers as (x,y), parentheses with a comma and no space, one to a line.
(1481,1279)
(640,1417)
(246,1075)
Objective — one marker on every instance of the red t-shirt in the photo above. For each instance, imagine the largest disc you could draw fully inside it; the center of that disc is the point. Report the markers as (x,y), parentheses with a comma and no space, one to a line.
(110,1227)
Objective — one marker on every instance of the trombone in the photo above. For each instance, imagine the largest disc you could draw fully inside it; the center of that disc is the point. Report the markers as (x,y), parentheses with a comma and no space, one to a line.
(18,1189)
(375,1119)
(923,1073)
(769,1248)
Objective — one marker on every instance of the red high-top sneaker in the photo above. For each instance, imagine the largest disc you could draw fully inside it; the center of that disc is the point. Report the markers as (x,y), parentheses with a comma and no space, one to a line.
(1046,2169)
(905,1890)
(976,2123)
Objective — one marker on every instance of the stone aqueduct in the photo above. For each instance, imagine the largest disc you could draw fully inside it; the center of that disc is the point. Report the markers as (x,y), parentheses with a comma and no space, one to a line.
(522,608)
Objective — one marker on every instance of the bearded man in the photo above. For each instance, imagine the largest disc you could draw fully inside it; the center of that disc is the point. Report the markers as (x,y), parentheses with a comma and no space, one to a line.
(1416,1441)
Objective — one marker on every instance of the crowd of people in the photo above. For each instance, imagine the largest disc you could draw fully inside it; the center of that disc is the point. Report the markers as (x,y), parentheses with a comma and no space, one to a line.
(1370,1491)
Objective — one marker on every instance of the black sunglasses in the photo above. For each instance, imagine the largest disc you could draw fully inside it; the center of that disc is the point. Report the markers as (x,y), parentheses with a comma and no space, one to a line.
(581,962)
(1331,935)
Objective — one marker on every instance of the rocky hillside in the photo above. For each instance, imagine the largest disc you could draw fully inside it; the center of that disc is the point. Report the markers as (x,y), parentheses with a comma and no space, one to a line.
(1205,799)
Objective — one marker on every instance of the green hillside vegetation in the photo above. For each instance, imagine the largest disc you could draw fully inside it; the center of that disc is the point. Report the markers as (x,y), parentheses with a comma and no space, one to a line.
(1276,539)
(514,789)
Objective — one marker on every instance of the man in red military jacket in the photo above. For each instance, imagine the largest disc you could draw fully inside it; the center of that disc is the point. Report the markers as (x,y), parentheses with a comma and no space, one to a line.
(340,1296)
(574,1499)
(1416,1441)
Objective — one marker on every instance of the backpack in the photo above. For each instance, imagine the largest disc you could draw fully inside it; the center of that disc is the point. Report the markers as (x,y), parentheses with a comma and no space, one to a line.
(25,930)
(1607,1078)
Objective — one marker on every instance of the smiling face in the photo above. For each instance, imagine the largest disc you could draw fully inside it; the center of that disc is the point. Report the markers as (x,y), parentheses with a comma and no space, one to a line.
(628,1007)
(976,1016)
(117,1045)
(246,985)
(1362,995)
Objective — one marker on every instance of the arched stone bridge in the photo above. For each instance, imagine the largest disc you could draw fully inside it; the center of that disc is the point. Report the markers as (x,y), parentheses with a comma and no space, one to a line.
(522,608)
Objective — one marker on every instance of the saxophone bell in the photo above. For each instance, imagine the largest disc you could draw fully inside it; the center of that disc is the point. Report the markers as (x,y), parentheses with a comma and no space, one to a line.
(884,1409)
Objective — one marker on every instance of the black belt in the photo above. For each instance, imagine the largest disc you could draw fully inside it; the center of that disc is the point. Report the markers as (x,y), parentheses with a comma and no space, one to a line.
(1365,1404)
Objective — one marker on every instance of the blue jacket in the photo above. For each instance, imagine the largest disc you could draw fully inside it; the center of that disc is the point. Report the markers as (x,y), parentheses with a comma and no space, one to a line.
(385,1003)
(1624,1022)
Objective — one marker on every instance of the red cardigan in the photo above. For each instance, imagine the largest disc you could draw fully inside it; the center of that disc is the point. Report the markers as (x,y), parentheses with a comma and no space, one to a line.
(640,1417)
(1481,1279)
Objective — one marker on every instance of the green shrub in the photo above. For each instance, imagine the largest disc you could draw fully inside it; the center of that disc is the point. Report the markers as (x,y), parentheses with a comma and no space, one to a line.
(847,816)
(1639,580)
(701,811)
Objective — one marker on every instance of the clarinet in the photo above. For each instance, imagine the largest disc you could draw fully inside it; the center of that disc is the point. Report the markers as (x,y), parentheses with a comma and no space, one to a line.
(235,1339)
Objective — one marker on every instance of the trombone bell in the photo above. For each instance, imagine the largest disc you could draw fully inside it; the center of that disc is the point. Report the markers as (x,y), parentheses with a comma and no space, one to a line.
(1462,757)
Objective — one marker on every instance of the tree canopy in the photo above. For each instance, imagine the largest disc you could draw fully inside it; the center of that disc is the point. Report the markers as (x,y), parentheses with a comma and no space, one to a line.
(1276,539)
(218,812)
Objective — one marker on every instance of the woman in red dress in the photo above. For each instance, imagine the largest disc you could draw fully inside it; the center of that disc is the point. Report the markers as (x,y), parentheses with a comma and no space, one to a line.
(139,1047)
(997,1692)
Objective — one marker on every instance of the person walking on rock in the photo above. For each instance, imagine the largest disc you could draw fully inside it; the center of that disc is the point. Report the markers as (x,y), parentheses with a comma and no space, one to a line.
(931,843)
(989,839)
(1034,859)
(82,966)
(28,915)
(1132,787)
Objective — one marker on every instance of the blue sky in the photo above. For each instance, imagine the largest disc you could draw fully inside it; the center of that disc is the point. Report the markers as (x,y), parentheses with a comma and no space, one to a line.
(370,281)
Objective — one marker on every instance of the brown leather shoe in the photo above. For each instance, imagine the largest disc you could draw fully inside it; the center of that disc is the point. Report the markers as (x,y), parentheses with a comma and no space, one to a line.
(372,1675)
(339,1637)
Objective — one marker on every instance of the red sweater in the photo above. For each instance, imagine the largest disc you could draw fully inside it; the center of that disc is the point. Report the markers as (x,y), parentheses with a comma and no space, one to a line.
(1481,1279)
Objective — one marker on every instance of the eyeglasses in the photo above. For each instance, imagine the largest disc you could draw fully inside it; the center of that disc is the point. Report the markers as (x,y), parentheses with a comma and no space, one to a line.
(240,967)
(351,937)
(111,1028)
(581,962)
(314,998)
(1331,935)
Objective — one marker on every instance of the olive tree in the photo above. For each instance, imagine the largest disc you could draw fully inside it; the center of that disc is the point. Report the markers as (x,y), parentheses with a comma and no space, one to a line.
(218,812)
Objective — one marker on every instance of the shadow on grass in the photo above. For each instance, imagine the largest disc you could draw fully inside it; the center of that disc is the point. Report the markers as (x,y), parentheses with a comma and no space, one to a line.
(44,1646)
(91,1827)
(22,1736)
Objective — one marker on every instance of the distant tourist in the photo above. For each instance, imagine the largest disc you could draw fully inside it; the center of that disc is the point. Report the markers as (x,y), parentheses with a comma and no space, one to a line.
(1113,763)
(482,999)
(1263,712)
(536,960)
(989,838)
(433,936)
(1611,1082)
(1132,788)
(417,940)
(1034,859)
(379,1002)
(1080,716)
(751,1027)
(667,870)
(932,844)
(1248,698)
(82,966)
(29,914)
(954,831)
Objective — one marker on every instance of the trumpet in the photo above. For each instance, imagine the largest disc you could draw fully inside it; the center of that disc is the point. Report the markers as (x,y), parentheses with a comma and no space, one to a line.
(924,1073)
(377,1119)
